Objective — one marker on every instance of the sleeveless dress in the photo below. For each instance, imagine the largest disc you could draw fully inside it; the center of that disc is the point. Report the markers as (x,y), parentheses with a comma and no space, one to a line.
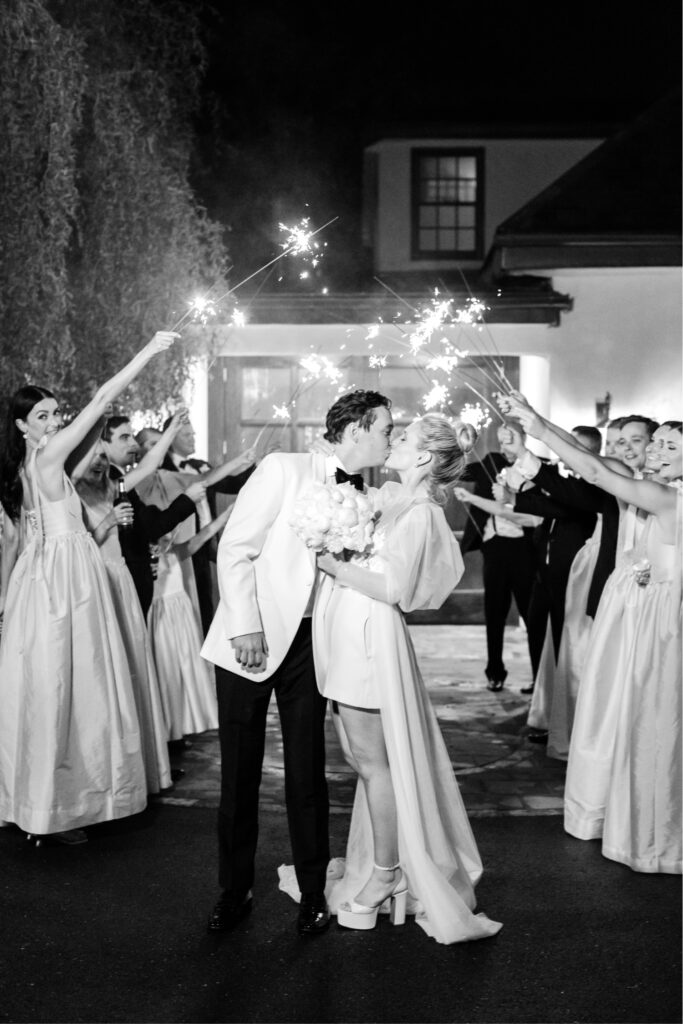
(69,735)
(573,648)
(153,727)
(186,681)
(643,826)
(414,547)
(591,746)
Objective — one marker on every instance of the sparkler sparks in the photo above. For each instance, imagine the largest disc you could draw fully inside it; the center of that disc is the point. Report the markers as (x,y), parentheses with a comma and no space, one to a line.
(437,398)
(320,366)
(475,416)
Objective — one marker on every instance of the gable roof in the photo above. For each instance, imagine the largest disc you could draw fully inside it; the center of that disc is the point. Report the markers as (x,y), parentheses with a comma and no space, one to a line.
(619,206)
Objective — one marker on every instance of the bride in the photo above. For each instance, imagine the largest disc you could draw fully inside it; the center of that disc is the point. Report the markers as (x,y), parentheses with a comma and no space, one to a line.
(409,833)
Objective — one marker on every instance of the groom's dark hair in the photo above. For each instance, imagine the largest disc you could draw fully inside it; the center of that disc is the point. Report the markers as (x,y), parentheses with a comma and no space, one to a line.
(354,407)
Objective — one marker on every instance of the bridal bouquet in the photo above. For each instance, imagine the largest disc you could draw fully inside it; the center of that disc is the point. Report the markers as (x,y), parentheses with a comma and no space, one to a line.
(335,518)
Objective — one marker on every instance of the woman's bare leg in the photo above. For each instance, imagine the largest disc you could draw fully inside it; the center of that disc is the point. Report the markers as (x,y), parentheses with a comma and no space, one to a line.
(363,729)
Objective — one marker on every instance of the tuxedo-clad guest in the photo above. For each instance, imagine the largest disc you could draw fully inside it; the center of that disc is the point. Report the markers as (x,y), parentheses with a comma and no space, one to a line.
(149,522)
(561,534)
(260,641)
(507,551)
(612,435)
(179,459)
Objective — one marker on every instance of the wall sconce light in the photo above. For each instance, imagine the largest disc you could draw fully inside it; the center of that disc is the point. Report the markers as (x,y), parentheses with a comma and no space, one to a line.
(602,406)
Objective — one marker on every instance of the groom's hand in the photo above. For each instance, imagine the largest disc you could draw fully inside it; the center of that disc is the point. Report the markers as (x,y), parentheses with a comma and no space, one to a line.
(251,651)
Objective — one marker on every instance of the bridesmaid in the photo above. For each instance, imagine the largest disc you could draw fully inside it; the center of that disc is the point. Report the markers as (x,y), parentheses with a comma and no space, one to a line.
(637,792)
(69,734)
(104,518)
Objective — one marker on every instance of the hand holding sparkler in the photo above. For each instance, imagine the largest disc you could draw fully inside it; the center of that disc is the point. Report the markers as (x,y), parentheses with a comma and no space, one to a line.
(501,493)
(462,494)
(161,341)
(517,406)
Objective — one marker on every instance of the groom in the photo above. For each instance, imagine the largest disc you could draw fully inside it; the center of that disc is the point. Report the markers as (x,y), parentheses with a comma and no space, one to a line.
(260,642)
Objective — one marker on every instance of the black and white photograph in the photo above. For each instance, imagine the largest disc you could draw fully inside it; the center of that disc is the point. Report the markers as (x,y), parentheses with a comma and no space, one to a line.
(341,512)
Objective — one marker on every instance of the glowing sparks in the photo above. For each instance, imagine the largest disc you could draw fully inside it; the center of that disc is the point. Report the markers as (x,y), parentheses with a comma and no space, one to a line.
(298,238)
(299,242)
(475,415)
(282,412)
(445,363)
(473,313)
(202,309)
(320,366)
(437,398)
(432,319)
(378,362)
(238,318)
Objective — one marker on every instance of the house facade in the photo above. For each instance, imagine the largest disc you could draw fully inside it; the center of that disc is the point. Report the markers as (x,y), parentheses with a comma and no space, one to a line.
(571,246)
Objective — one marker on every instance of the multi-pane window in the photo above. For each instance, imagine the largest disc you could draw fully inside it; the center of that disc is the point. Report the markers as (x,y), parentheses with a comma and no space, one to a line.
(447,203)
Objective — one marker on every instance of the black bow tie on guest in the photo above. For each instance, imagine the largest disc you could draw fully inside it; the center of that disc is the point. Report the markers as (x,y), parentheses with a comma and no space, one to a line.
(342,477)
(183,463)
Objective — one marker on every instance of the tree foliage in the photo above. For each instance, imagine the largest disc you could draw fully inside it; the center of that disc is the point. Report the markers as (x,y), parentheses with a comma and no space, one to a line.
(106,241)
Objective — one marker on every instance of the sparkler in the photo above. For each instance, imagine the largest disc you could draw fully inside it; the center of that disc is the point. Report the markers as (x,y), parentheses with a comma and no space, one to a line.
(476,416)
(421,340)
(297,243)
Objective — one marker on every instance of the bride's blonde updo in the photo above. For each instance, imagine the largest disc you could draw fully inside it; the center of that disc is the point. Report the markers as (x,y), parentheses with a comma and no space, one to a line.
(448,444)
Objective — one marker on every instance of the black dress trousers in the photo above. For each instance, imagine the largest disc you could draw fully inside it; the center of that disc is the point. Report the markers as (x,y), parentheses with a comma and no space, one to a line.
(242,711)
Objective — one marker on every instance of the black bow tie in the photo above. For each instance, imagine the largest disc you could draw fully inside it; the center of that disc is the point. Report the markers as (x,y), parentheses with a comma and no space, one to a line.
(355,479)
(183,463)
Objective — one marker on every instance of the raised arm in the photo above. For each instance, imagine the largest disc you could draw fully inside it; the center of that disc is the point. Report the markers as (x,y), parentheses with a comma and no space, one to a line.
(152,459)
(646,494)
(495,508)
(245,460)
(188,548)
(54,455)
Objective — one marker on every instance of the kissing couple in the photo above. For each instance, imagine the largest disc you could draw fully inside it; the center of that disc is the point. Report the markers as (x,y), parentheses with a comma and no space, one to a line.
(313,629)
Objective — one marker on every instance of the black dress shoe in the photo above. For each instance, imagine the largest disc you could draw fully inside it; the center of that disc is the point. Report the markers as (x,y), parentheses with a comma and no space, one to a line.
(527,689)
(228,912)
(314,914)
(538,737)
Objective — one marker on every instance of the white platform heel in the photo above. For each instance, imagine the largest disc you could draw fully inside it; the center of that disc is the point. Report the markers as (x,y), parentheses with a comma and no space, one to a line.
(363,918)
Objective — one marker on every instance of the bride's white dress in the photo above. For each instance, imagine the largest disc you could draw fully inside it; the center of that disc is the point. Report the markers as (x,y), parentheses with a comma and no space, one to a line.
(416,563)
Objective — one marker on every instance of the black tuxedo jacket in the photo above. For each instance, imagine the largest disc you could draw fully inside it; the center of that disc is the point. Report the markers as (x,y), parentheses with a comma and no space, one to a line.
(149,524)
(483,475)
(563,532)
(575,493)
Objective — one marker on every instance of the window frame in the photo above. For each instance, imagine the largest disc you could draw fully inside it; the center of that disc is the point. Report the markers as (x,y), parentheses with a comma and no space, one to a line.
(417,155)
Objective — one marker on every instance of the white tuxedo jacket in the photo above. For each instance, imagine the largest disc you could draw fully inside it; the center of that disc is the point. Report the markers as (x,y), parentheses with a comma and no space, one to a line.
(265,573)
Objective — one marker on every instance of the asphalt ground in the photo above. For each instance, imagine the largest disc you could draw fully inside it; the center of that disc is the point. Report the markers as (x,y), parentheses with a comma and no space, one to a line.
(114,930)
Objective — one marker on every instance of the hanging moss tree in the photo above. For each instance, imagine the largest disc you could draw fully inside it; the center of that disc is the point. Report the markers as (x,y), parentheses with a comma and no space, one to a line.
(41,89)
(108,243)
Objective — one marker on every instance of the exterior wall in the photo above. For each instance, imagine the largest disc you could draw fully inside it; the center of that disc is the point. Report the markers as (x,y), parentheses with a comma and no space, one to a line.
(515,170)
(624,336)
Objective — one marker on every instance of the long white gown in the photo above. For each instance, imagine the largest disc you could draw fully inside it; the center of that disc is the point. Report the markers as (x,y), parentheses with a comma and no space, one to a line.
(186,681)
(69,735)
(592,744)
(419,564)
(633,666)
(154,730)
(643,826)
(573,648)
